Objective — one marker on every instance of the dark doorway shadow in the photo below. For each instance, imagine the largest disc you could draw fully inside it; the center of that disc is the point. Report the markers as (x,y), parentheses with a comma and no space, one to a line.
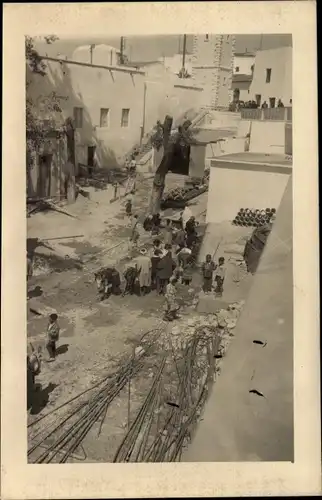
(40,397)
(62,349)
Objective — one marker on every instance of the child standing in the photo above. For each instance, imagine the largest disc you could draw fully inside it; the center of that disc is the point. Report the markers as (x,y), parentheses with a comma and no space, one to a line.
(187,271)
(220,276)
(52,336)
(172,307)
(135,235)
(208,268)
(128,207)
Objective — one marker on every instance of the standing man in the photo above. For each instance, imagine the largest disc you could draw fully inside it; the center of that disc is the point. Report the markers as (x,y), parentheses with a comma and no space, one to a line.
(130,276)
(208,268)
(167,233)
(144,265)
(180,239)
(165,269)
(191,232)
(155,259)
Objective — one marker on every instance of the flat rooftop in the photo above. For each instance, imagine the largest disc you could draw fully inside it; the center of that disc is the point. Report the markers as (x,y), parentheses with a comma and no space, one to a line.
(278,163)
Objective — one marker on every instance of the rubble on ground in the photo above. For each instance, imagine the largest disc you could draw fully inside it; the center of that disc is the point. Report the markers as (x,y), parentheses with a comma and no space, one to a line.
(177,335)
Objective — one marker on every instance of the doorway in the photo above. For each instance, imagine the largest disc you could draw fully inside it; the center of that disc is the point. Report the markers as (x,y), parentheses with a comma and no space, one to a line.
(258,99)
(272,102)
(90,159)
(236,95)
(44,179)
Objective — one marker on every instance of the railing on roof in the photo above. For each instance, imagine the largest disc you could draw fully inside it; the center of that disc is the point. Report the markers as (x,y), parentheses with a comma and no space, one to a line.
(272,114)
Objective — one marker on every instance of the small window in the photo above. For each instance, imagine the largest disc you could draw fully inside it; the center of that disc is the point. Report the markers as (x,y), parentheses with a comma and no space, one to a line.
(78,117)
(268,75)
(237,69)
(125,118)
(206,38)
(104,117)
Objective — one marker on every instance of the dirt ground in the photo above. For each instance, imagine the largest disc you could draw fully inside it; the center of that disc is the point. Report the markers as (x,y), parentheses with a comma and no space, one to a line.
(95,336)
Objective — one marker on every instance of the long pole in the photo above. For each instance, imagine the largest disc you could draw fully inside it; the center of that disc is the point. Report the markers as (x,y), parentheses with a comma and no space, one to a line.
(143,118)
(122,50)
(91,52)
(184,52)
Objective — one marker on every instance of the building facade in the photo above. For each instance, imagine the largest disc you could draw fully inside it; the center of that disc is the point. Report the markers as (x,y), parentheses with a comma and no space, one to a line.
(212,68)
(272,78)
(112,106)
(241,87)
(244,63)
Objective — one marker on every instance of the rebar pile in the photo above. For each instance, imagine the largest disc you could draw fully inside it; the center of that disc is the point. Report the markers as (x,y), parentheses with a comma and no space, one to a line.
(70,432)
(149,439)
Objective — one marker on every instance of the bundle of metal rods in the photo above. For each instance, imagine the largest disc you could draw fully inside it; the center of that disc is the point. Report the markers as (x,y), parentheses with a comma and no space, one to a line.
(193,385)
(133,445)
(70,432)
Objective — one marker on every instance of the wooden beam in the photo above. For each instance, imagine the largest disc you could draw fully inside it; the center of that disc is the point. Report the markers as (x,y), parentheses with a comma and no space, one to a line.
(108,67)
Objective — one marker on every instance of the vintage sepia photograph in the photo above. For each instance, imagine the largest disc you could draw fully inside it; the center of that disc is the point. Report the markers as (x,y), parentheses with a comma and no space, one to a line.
(159,248)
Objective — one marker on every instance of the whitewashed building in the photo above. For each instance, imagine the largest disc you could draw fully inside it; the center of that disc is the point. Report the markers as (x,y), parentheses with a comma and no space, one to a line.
(272,78)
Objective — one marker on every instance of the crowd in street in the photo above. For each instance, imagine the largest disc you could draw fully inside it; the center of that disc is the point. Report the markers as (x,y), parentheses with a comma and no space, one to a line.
(170,261)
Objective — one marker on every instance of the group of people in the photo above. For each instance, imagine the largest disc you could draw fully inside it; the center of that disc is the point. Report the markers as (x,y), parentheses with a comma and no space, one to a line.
(171,260)
(279,104)
(237,105)
(213,274)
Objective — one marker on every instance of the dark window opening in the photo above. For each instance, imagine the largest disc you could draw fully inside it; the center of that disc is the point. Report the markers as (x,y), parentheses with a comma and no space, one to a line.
(104,117)
(268,75)
(125,118)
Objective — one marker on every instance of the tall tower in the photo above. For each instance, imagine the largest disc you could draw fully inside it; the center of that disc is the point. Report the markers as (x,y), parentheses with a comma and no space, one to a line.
(212,68)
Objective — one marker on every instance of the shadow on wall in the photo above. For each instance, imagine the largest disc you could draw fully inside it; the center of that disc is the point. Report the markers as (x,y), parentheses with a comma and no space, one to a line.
(58,82)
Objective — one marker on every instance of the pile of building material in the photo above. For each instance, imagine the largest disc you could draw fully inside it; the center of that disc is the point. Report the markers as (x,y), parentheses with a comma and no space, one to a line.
(254,217)
(191,352)
(178,198)
(59,438)
(181,360)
